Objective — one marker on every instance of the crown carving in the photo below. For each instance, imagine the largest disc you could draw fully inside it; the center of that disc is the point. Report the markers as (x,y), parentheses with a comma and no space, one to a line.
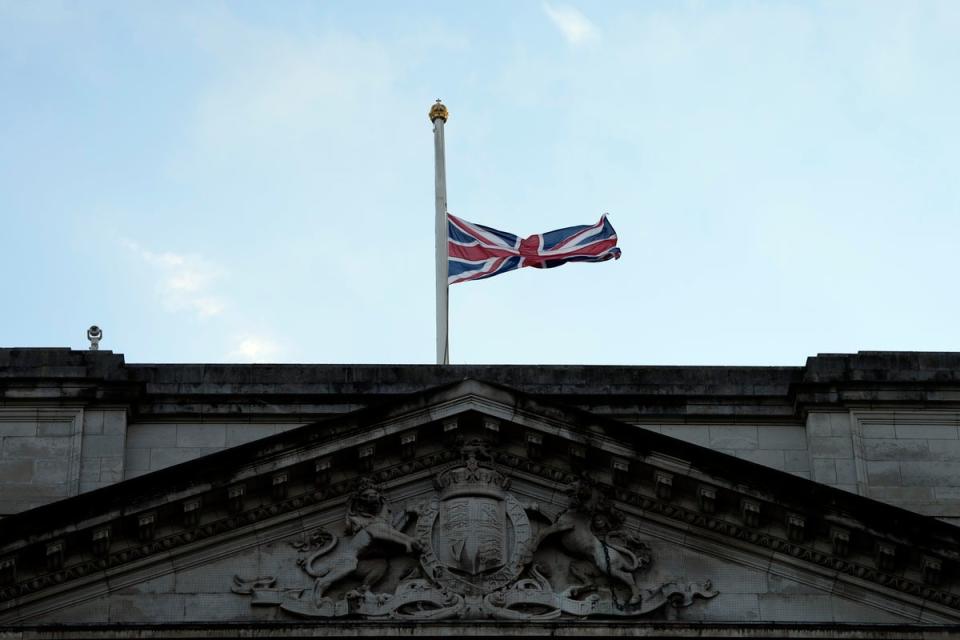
(464,481)
(472,479)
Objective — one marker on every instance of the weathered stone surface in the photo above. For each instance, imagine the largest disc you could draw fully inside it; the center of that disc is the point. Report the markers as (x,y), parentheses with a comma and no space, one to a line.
(930,432)
(895,449)
(796,461)
(831,447)
(16,471)
(35,447)
(808,420)
(775,437)
(825,471)
(734,437)
(883,474)
(201,435)
(103,446)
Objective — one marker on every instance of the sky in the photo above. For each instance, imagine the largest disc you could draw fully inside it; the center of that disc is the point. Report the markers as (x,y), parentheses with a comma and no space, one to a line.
(253,181)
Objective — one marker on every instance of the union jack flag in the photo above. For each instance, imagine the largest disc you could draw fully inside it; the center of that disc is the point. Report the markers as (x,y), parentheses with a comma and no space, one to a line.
(475,251)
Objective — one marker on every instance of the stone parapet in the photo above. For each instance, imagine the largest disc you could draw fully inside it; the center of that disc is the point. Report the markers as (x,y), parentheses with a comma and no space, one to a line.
(632,393)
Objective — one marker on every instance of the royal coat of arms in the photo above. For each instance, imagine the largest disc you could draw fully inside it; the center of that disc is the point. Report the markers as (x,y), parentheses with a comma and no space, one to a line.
(470,555)
(474,534)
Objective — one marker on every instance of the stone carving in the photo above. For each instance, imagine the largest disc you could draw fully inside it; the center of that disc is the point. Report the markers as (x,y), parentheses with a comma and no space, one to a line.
(369,521)
(578,526)
(475,535)
(476,544)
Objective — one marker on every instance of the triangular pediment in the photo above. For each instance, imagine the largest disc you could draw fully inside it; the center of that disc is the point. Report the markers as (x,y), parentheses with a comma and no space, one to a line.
(475,502)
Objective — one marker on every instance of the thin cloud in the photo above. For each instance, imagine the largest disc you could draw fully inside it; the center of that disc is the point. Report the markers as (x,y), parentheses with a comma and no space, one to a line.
(184,282)
(252,348)
(575,27)
(187,283)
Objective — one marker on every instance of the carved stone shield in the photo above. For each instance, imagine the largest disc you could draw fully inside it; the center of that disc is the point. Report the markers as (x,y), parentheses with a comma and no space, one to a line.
(471,535)
(474,534)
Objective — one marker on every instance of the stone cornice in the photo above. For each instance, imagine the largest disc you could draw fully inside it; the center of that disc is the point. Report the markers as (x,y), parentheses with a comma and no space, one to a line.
(633,393)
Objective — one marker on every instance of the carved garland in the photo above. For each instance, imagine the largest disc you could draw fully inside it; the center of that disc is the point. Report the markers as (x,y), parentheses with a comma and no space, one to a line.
(344,488)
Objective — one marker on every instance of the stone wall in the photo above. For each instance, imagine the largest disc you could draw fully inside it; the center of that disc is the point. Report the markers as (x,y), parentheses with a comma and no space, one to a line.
(39,455)
(156,445)
(782,447)
(883,425)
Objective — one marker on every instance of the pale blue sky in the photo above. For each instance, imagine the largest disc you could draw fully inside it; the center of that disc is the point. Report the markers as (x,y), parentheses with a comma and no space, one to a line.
(234,181)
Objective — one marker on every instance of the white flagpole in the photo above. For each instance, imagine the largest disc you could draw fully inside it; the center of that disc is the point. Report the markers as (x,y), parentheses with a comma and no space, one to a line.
(438,116)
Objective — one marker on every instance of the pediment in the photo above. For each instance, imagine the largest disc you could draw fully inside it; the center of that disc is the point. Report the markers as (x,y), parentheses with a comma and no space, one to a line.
(475,502)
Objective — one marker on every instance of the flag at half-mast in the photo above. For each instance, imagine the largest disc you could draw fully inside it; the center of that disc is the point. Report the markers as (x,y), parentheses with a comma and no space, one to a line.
(475,251)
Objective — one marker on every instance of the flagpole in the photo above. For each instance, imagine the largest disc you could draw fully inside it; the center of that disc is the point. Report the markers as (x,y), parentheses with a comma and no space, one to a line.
(438,116)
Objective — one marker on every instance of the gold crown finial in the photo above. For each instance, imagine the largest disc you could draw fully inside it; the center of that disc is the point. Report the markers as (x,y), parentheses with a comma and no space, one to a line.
(439,111)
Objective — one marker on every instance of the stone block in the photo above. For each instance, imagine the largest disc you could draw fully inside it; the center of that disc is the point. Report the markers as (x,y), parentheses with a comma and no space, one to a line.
(15,471)
(111,474)
(90,470)
(93,422)
(789,579)
(24,429)
(216,607)
(168,607)
(697,434)
(110,477)
(136,460)
(796,461)
(943,493)
(162,458)
(787,438)
(840,424)
(36,447)
(848,611)
(767,458)
(733,607)
(163,584)
(35,491)
(927,431)
(825,471)
(86,486)
(948,450)
(102,446)
(846,471)
(114,463)
(818,424)
(114,423)
(149,436)
(924,474)
(55,429)
(831,447)
(913,495)
(201,435)
(49,471)
(733,436)
(894,449)
(795,607)
(211,576)
(243,433)
(873,430)
(95,611)
(883,473)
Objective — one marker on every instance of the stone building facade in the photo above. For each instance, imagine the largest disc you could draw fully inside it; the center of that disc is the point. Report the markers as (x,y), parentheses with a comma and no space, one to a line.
(292,500)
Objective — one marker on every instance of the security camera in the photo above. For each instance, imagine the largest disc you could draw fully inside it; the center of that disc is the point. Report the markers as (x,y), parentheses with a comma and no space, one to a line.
(94,335)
